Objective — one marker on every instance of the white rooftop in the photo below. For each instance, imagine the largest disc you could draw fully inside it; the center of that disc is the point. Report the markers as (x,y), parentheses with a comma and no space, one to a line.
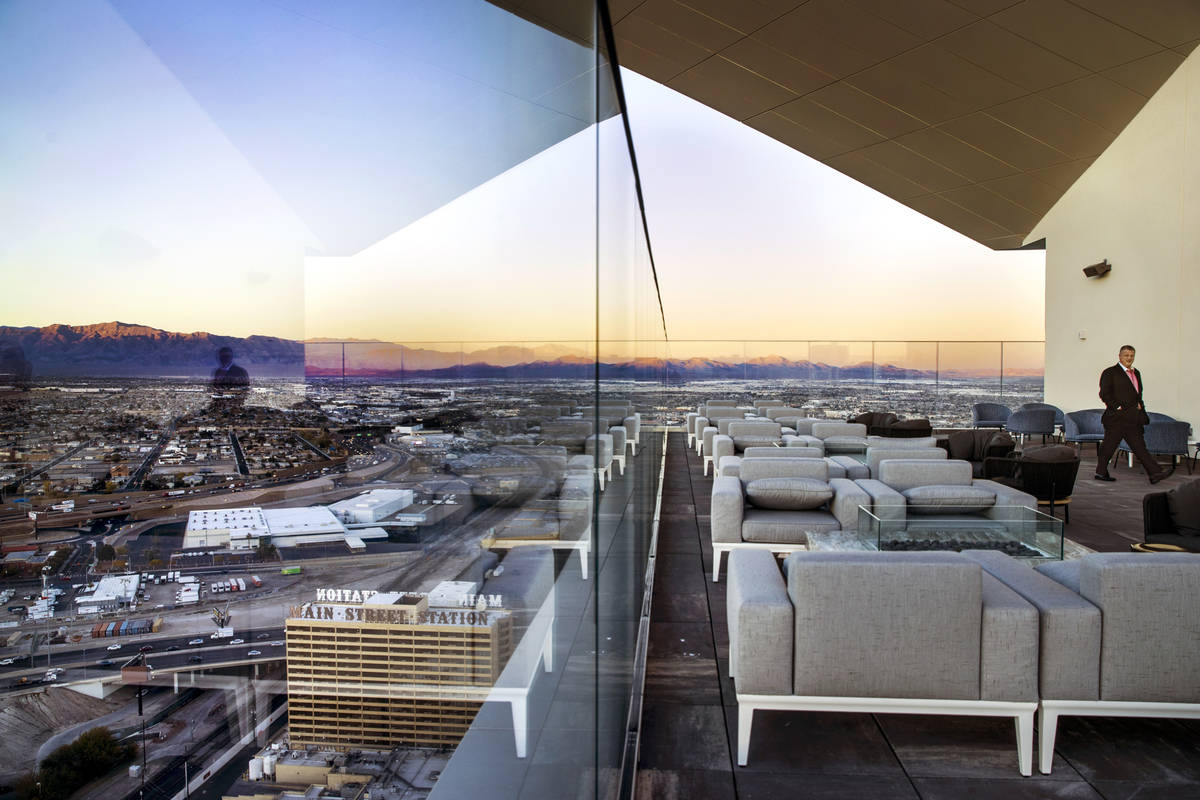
(294,521)
(384,599)
(371,499)
(112,587)
(451,593)
(227,519)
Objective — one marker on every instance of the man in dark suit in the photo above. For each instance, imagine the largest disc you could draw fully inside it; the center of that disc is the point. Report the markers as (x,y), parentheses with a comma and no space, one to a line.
(1124,417)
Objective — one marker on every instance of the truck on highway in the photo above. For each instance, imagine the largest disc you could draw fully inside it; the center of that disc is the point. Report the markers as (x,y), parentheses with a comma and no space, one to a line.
(66,505)
(222,633)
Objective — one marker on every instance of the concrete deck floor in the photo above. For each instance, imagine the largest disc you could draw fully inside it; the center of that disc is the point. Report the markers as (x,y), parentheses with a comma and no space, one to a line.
(690,714)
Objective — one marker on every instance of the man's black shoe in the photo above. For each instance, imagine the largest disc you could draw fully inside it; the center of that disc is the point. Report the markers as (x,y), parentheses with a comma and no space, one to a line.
(1105,478)
(1166,473)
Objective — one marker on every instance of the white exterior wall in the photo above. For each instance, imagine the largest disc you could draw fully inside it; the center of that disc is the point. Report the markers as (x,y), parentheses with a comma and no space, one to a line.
(1138,206)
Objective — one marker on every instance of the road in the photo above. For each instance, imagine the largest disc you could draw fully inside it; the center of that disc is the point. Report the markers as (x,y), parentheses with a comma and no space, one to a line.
(49,464)
(84,661)
(139,474)
(68,735)
(238,455)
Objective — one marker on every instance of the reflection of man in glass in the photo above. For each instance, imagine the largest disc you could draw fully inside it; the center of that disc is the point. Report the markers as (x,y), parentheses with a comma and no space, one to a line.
(228,377)
(15,370)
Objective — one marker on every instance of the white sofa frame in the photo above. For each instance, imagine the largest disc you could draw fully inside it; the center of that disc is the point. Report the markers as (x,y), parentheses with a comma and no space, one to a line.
(1021,714)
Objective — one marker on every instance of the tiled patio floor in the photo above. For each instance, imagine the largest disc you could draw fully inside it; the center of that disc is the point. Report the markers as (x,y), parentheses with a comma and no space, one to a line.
(689,718)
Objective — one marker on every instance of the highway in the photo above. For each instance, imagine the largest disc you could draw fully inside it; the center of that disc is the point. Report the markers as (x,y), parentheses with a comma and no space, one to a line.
(92,658)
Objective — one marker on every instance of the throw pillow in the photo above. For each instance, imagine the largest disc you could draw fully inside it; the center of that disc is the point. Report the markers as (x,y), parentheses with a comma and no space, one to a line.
(788,494)
(945,499)
(1184,504)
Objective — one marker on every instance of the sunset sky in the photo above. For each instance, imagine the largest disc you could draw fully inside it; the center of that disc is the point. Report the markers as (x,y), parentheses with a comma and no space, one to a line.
(254,170)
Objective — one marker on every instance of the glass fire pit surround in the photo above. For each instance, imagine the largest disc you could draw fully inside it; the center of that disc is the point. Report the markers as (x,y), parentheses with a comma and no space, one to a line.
(1020,531)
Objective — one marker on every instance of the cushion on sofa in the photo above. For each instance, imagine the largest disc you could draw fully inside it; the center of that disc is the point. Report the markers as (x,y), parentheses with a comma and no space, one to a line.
(742,442)
(948,499)
(755,468)
(788,494)
(906,473)
(1184,504)
(845,444)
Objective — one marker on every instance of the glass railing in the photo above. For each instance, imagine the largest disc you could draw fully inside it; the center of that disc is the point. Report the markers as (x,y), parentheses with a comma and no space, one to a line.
(937,380)
(360,554)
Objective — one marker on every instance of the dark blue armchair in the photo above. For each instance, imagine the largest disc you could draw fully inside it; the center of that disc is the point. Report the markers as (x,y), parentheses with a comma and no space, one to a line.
(1165,436)
(1059,417)
(1084,426)
(1031,422)
(989,415)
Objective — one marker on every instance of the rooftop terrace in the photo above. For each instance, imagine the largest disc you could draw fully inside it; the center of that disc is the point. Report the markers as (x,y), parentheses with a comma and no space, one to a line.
(689,716)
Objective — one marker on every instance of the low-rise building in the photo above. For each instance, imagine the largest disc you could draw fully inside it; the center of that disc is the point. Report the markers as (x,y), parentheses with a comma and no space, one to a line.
(112,592)
(370,507)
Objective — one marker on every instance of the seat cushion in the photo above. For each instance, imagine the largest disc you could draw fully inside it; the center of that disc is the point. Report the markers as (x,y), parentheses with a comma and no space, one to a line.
(784,527)
(750,440)
(1184,503)
(788,494)
(845,444)
(948,499)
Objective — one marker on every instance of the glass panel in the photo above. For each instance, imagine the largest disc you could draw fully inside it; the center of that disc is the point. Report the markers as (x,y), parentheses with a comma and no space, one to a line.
(415,224)
(968,373)
(906,378)
(779,371)
(1024,372)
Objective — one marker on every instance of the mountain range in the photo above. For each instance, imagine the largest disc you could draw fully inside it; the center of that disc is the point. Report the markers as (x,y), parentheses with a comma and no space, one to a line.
(118,349)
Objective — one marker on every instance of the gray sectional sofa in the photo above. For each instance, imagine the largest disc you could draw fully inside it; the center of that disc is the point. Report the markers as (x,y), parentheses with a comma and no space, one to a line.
(1120,635)
(1109,634)
(914,633)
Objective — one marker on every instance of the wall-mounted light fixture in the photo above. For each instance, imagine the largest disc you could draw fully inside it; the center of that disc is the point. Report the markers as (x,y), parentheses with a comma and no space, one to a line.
(1097,270)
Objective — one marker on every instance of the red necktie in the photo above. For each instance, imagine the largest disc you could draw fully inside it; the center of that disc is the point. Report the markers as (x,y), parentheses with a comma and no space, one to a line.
(1133,378)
